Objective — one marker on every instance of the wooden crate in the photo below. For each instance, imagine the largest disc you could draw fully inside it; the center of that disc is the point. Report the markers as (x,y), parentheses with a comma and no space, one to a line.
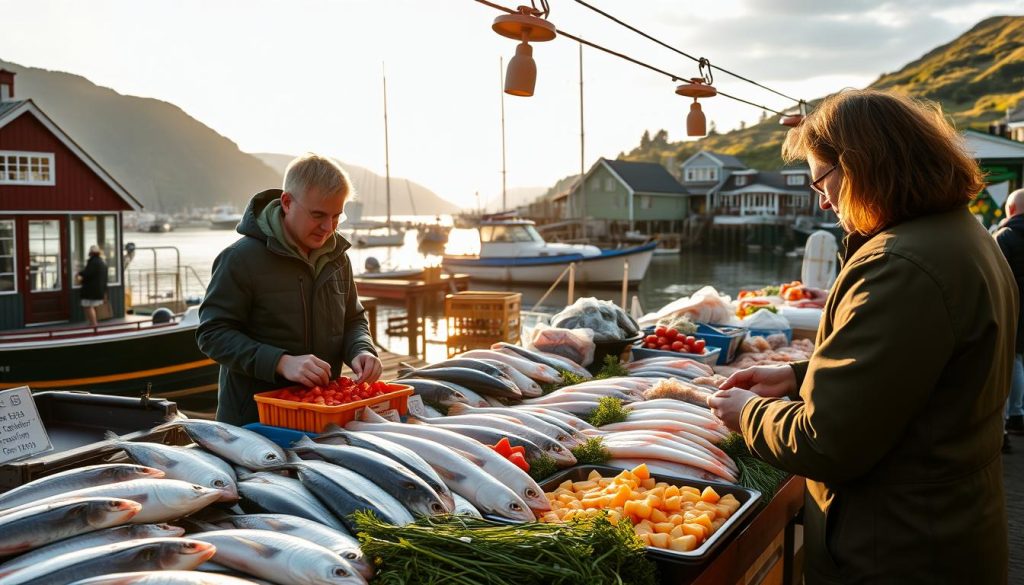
(478,319)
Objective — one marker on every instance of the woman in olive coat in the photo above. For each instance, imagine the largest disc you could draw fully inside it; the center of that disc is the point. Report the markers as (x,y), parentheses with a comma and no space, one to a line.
(896,420)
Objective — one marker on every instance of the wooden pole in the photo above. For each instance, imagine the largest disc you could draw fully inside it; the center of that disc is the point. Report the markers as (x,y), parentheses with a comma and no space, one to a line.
(625,283)
(572,282)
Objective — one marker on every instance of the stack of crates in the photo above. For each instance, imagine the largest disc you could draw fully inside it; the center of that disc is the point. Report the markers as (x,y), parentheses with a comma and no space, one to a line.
(479,319)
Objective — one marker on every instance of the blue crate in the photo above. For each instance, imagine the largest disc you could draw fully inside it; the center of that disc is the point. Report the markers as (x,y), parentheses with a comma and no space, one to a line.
(724,337)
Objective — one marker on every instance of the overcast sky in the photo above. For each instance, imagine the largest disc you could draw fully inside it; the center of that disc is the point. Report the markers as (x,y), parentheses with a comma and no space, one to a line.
(291,76)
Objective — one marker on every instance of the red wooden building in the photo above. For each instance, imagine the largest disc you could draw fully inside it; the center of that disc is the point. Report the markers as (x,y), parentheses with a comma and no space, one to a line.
(55,202)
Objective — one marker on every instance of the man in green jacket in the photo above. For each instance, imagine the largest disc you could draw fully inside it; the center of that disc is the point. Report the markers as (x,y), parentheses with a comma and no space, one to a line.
(282,307)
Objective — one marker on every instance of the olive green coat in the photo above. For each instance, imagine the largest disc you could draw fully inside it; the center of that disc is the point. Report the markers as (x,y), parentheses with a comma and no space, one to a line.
(898,423)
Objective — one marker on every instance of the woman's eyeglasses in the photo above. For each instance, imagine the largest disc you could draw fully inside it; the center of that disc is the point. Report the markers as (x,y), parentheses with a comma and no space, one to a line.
(816,182)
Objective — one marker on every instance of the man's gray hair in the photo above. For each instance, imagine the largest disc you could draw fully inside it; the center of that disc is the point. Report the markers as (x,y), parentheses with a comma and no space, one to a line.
(312,171)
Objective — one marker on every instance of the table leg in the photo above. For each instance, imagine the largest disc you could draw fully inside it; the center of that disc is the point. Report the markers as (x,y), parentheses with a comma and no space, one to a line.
(413,324)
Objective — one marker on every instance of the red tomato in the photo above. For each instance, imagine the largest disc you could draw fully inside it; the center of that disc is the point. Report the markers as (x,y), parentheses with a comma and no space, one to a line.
(651,339)
(663,340)
(660,330)
(677,345)
(665,347)
(699,345)
(672,333)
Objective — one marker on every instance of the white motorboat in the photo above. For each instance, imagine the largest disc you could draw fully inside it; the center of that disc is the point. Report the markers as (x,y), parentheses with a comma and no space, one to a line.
(224,217)
(511,250)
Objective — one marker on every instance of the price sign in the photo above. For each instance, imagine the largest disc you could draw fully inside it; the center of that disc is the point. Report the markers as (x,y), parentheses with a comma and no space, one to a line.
(416,406)
(22,433)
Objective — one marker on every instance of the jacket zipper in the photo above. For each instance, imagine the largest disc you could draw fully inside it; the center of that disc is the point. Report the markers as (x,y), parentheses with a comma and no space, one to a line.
(305,313)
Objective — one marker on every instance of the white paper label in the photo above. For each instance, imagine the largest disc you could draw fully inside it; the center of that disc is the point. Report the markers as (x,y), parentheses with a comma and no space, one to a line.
(22,433)
(391,414)
(416,406)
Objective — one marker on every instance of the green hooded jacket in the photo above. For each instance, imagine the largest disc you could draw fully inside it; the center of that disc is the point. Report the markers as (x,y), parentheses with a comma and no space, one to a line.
(266,300)
(898,424)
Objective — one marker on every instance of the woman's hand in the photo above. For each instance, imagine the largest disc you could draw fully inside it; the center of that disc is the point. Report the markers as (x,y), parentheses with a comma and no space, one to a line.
(766,381)
(728,404)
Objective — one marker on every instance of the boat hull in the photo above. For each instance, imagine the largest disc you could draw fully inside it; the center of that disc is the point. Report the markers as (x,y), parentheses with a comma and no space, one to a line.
(607,269)
(164,360)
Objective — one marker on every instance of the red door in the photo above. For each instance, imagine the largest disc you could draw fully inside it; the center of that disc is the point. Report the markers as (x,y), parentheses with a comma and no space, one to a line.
(42,261)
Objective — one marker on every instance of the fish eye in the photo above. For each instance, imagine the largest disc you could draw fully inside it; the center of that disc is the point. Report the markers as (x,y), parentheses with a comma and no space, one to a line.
(351,555)
(557,449)
(340,572)
(410,485)
(147,555)
(532,493)
(515,507)
(437,508)
(219,483)
(271,456)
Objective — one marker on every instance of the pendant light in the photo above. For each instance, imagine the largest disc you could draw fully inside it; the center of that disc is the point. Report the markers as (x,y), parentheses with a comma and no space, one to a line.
(698,87)
(526,26)
(793,119)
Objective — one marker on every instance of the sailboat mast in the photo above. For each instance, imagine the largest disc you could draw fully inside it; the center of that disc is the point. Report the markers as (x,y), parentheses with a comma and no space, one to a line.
(501,92)
(387,157)
(583,185)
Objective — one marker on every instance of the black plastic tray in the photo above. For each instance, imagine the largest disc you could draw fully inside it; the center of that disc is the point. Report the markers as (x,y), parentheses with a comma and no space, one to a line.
(746,497)
(76,422)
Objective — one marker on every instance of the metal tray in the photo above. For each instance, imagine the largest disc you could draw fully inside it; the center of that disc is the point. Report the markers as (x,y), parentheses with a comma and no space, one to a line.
(746,497)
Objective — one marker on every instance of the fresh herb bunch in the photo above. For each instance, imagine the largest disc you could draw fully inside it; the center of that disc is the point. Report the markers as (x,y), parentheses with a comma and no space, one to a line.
(754,473)
(592,452)
(543,467)
(459,550)
(609,411)
(611,368)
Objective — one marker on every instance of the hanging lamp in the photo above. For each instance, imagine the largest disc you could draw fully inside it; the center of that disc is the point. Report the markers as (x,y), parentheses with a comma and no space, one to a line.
(525,26)
(793,119)
(698,87)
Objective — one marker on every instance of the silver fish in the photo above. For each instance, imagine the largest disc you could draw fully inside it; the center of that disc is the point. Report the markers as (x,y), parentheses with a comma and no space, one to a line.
(467,479)
(563,434)
(98,538)
(464,507)
(436,392)
(344,492)
(75,479)
(281,558)
(150,554)
(162,499)
(391,476)
(334,540)
(237,445)
(525,384)
(180,463)
(335,435)
(493,423)
(165,578)
(36,525)
(215,461)
(275,494)
(533,370)
(497,466)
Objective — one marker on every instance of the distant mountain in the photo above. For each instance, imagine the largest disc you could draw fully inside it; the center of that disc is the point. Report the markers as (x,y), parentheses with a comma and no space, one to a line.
(164,157)
(407,197)
(976,77)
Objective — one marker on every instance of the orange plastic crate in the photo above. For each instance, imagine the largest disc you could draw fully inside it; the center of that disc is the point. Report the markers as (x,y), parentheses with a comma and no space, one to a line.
(314,417)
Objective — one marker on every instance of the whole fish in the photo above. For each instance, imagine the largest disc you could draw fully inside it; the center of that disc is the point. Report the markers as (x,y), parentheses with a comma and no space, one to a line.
(475,380)
(680,437)
(671,426)
(344,492)
(281,558)
(391,476)
(335,435)
(467,479)
(435,392)
(580,396)
(556,362)
(666,468)
(533,370)
(215,461)
(162,499)
(37,525)
(165,578)
(464,507)
(671,404)
(490,431)
(237,445)
(275,494)
(497,466)
(179,463)
(548,412)
(525,384)
(75,479)
(707,421)
(668,440)
(561,432)
(334,540)
(503,420)
(583,406)
(149,554)
(472,364)
(89,540)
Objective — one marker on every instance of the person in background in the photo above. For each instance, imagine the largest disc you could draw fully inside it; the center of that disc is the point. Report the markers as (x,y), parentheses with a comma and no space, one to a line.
(896,420)
(93,279)
(282,307)
(1010,238)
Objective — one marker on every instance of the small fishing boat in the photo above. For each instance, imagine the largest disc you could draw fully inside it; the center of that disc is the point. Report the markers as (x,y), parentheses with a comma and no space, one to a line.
(224,217)
(511,250)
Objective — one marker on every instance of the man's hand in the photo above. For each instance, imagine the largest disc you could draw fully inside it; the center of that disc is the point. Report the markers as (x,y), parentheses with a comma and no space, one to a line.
(728,404)
(767,381)
(367,368)
(307,370)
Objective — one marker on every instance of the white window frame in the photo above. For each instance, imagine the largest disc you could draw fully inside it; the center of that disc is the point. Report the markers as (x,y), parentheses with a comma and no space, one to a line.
(646,202)
(609,184)
(741,180)
(14,256)
(17,155)
(794,179)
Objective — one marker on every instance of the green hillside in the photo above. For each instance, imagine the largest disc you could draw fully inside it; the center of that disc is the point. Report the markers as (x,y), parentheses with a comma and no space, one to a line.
(975,78)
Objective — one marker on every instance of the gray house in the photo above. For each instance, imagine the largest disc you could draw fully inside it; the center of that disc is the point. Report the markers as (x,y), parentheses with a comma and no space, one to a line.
(704,173)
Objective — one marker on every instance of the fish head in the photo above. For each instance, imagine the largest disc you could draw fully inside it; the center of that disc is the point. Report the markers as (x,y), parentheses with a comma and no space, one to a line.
(223,484)
(359,563)
(204,494)
(515,509)
(181,554)
(111,512)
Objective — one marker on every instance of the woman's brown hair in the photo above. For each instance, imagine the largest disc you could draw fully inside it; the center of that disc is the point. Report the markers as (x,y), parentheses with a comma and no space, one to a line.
(899,157)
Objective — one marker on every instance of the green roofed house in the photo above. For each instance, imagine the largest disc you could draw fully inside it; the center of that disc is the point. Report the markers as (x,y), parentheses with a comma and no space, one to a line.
(1002,160)
(620,196)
